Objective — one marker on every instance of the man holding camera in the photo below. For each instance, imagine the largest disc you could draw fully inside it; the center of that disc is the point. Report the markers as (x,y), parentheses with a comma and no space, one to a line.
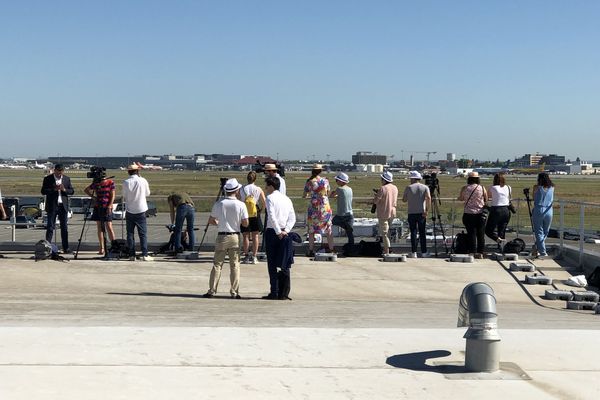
(229,214)
(418,198)
(181,208)
(102,192)
(135,191)
(57,189)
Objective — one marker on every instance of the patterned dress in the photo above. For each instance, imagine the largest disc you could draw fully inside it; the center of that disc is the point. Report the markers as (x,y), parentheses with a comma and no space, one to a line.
(319,212)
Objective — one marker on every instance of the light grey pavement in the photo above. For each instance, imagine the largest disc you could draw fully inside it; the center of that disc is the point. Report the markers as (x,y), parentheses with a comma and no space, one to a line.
(357,329)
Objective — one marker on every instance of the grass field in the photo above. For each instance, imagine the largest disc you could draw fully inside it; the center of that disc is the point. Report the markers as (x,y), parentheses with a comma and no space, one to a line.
(204,187)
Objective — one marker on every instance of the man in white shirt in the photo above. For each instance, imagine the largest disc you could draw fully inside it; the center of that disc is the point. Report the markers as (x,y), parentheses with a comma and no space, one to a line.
(281,218)
(271,170)
(135,191)
(228,214)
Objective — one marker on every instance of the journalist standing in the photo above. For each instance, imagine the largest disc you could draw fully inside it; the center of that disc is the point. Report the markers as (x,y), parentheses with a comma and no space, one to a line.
(543,198)
(102,191)
(500,196)
(135,191)
(181,209)
(271,170)
(228,214)
(57,189)
(418,198)
(344,216)
(281,218)
(386,201)
(475,196)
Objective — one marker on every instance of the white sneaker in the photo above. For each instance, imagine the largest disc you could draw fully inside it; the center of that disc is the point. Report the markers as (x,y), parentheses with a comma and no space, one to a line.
(132,258)
(412,255)
(426,255)
(253,261)
(147,258)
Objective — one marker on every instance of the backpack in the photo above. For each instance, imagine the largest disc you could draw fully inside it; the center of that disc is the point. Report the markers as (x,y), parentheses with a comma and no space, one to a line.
(250,202)
(118,249)
(370,249)
(594,278)
(460,244)
(515,246)
(43,250)
(351,250)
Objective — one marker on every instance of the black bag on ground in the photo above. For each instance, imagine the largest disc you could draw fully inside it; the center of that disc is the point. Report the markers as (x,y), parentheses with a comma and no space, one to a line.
(119,248)
(43,250)
(514,246)
(460,244)
(594,278)
(351,250)
(370,249)
(284,284)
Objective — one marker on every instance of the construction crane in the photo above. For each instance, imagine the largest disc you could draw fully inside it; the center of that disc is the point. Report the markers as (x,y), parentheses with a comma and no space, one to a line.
(428,153)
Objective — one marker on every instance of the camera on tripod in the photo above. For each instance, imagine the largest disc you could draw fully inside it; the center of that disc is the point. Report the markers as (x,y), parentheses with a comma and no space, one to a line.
(260,168)
(526,192)
(432,181)
(97,173)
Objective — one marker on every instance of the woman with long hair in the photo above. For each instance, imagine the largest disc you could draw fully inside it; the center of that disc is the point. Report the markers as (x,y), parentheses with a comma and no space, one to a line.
(500,196)
(475,196)
(543,197)
(319,212)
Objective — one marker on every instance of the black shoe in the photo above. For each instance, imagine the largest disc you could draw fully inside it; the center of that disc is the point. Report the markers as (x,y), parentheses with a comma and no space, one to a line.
(208,295)
(310,253)
(285,298)
(67,251)
(270,296)
(236,296)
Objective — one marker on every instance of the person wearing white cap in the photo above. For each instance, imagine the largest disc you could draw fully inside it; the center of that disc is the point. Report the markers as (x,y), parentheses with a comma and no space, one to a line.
(344,216)
(135,191)
(386,200)
(228,214)
(271,170)
(419,201)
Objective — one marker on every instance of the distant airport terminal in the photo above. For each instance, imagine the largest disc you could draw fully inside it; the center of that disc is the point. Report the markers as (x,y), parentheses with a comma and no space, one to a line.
(362,161)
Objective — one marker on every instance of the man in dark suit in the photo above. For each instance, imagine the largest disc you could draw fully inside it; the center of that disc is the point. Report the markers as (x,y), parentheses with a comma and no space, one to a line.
(57,189)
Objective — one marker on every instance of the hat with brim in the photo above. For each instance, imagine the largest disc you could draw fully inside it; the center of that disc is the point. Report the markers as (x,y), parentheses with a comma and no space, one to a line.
(387,176)
(342,177)
(317,166)
(231,185)
(270,167)
(414,175)
(133,167)
(473,174)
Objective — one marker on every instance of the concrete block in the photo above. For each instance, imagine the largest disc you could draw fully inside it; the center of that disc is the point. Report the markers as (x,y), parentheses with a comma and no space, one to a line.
(538,280)
(325,257)
(515,266)
(581,305)
(553,294)
(497,256)
(597,309)
(466,258)
(394,257)
(585,295)
(511,257)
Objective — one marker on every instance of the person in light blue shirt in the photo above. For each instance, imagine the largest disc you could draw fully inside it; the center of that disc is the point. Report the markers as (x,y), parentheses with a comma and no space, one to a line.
(344,217)
(543,198)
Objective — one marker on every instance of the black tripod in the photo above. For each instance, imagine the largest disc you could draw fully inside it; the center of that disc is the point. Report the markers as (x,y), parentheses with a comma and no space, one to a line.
(528,199)
(437,216)
(220,195)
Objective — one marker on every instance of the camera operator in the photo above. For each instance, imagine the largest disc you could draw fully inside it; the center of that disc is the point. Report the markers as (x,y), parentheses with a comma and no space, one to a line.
(181,208)
(418,197)
(271,170)
(135,191)
(57,189)
(102,192)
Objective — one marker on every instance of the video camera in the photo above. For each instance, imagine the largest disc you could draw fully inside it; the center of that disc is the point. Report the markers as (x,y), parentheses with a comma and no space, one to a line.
(432,181)
(260,168)
(526,192)
(97,173)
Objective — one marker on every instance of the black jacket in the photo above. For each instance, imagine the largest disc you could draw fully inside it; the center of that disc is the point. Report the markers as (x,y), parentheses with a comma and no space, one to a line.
(49,190)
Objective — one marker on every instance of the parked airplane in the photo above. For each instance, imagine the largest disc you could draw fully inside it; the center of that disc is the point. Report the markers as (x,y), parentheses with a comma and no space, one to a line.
(150,167)
(530,171)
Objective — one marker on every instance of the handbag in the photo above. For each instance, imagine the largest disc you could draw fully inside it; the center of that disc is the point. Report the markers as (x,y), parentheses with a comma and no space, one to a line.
(511,206)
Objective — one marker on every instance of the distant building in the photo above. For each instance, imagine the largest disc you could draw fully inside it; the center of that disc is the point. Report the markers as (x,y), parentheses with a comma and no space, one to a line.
(553,159)
(528,160)
(450,157)
(368,157)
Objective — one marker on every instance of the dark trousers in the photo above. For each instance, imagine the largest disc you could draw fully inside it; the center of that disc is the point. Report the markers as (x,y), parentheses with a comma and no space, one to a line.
(346,222)
(184,213)
(138,221)
(416,222)
(280,254)
(475,226)
(497,222)
(51,225)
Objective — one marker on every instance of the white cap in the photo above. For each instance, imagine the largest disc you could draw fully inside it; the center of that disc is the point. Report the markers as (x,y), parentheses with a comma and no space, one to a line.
(414,175)
(231,185)
(387,176)
(342,177)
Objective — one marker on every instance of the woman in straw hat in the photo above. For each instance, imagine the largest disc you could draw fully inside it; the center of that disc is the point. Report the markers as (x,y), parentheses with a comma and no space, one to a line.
(319,212)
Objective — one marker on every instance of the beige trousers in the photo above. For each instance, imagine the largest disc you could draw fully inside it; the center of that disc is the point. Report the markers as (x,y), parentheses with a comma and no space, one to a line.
(226,245)
(384,231)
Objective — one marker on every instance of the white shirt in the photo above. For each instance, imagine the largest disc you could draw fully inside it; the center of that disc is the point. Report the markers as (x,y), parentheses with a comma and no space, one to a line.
(282,187)
(229,212)
(58,181)
(251,189)
(500,195)
(135,190)
(280,212)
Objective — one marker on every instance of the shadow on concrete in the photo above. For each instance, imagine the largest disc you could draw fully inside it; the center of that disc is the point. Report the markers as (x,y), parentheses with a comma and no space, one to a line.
(418,362)
(182,295)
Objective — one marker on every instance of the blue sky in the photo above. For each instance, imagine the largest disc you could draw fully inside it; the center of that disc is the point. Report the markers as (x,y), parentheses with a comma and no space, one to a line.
(488,79)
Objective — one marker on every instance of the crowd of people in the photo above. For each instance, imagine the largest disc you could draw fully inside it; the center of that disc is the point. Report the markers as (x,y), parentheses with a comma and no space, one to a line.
(237,216)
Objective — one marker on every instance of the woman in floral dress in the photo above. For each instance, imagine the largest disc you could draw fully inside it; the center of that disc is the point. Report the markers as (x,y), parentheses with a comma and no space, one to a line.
(319,213)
